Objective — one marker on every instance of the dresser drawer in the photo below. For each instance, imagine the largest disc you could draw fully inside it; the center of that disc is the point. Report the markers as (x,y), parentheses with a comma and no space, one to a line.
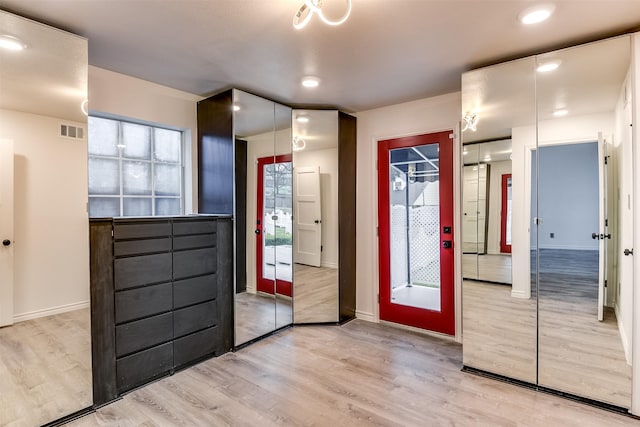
(195,346)
(145,333)
(195,290)
(193,242)
(195,262)
(142,302)
(140,368)
(142,270)
(182,227)
(141,230)
(194,318)
(141,247)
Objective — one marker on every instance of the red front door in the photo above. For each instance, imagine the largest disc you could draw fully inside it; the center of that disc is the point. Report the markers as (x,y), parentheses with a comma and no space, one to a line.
(274,225)
(505,215)
(415,218)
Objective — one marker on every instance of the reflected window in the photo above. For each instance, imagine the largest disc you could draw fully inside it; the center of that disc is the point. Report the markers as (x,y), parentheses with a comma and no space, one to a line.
(134,169)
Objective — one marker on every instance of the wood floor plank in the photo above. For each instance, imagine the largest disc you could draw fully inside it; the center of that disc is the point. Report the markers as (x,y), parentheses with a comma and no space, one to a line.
(358,374)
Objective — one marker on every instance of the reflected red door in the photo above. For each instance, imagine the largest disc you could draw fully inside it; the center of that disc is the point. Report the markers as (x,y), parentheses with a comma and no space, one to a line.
(267,250)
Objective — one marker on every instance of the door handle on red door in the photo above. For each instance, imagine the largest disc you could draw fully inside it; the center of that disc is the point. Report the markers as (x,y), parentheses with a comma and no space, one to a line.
(446,244)
(257,231)
(6,242)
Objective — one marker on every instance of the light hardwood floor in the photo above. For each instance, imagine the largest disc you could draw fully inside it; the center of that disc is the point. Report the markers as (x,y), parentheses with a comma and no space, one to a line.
(358,374)
(45,369)
(259,314)
(315,294)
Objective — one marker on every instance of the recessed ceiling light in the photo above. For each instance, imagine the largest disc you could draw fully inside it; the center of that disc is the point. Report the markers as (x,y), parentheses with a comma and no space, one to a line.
(545,67)
(561,113)
(536,14)
(11,43)
(302,119)
(310,81)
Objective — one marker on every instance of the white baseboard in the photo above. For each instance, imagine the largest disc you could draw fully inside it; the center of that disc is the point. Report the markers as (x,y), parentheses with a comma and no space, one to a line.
(369,317)
(329,264)
(50,311)
(520,294)
(623,336)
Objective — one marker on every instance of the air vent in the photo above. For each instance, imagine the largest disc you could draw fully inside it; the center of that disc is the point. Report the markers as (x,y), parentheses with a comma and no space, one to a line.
(70,131)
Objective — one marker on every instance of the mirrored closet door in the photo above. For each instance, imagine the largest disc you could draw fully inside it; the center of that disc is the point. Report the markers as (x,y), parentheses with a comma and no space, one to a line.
(45,325)
(263,210)
(564,320)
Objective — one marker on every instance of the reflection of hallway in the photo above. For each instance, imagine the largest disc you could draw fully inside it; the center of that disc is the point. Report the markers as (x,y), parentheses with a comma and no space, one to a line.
(45,374)
(315,294)
(489,268)
(578,353)
(259,314)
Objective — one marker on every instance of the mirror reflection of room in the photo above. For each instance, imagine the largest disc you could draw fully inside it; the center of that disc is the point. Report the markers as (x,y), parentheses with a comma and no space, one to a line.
(45,327)
(263,300)
(487,211)
(315,255)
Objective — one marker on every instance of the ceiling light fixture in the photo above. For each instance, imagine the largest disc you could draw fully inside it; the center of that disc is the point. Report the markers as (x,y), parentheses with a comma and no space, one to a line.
(85,107)
(298,143)
(470,122)
(310,82)
(560,113)
(536,14)
(11,43)
(309,7)
(302,119)
(545,67)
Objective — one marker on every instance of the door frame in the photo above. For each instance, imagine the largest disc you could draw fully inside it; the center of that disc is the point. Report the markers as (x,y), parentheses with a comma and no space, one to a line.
(445,320)
(282,287)
(6,231)
(504,247)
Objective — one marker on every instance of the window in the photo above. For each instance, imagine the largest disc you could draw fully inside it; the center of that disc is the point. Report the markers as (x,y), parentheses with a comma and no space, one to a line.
(134,169)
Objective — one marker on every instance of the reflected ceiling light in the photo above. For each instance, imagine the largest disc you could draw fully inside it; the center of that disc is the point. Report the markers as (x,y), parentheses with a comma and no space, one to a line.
(11,43)
(536,14)
(309,7)
(545,67)
(310,82)
(470,122)
(85,107)
(298,143)
(236,107)
(487,158)
(465,152)
(560,113)
(302,119)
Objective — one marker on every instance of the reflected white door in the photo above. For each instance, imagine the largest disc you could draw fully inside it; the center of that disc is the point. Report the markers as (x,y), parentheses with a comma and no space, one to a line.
(6,232)
(307,216)
(470,206)
(602,226)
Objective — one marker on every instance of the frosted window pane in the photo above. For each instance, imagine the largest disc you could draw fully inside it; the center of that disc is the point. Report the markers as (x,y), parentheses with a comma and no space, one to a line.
(167,145)
(167,180)
(103,137)
(101,207)
(136,178)
(168,207)
(104,176)
(136,207)
(136,140)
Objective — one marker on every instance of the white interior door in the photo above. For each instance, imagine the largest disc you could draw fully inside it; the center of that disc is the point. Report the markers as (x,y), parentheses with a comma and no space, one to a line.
(6,232)
(307,216)
(602,226)
(470,206)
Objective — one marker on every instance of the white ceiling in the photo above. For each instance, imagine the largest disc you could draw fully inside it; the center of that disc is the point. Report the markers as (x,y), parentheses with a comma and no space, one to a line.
(388,51)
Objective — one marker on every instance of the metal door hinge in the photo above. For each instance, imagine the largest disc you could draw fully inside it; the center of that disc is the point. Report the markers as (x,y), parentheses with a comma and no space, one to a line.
(605,283)
(377,231)
(606,160)
(452,136)
(378,298)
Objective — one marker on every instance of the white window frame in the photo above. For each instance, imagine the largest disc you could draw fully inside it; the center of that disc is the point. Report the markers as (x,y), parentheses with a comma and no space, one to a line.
(120,158)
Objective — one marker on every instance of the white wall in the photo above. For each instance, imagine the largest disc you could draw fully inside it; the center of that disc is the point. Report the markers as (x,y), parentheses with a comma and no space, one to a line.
(327,160)
(51,227)
(129,97)
(410,118)
(497,169)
